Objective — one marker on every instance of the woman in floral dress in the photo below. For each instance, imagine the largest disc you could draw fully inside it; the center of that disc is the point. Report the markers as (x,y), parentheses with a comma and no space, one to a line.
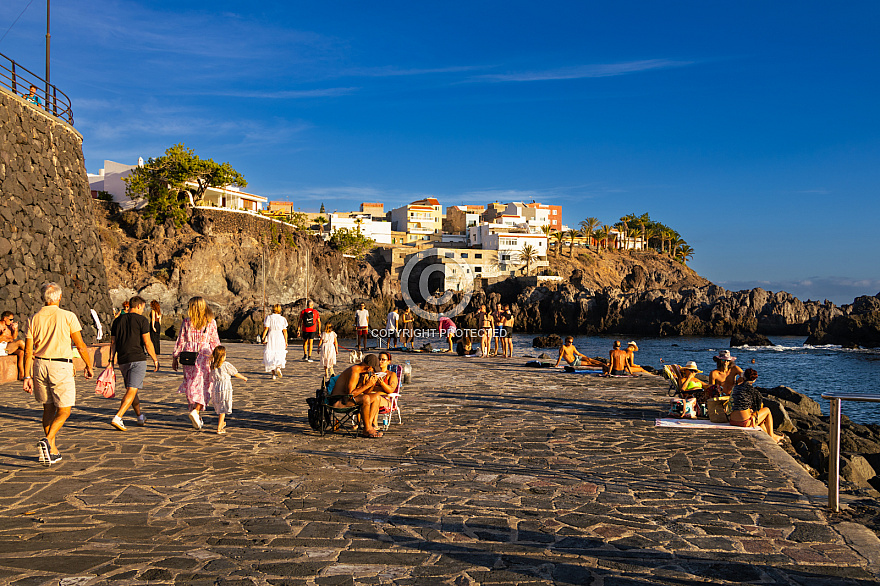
(197,334)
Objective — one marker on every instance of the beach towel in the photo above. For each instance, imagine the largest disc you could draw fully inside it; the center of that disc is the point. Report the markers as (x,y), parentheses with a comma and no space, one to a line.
(696,424)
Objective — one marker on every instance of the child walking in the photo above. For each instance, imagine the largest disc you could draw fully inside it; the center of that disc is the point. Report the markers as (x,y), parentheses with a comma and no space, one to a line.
(221,385)
(329,350)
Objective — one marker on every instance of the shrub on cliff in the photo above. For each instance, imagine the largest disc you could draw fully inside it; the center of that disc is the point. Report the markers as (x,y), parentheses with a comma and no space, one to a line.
(165,182)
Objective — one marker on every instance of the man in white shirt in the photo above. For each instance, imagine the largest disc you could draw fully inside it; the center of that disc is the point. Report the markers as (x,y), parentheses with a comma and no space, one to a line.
(361,325)
(391,327)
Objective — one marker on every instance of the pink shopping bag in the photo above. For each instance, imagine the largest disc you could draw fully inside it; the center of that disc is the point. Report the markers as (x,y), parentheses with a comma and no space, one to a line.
(106,386)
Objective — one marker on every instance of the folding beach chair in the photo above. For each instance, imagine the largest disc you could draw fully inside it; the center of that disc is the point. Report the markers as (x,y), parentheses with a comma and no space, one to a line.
(672,372)
(342,419)
(389,410)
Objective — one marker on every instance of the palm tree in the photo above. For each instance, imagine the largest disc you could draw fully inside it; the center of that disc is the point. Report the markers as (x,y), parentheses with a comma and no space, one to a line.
(685,253)
(625,231)
(528,254)
(572,234)
(635,234)
(559,237)
(605,233)
(588,227)
(674,243)
(320,221)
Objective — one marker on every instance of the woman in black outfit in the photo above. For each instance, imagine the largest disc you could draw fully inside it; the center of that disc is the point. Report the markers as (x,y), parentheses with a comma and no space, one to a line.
(746,406)
(155,323)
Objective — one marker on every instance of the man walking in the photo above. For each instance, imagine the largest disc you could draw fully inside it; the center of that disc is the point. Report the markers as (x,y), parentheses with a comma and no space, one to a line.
(309,326)
(48,366)
(129,336)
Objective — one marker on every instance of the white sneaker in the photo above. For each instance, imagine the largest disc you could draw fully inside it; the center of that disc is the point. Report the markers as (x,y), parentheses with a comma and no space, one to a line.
(274,376)
(142,420)
(195,419)
(309,360)
(117,423)
(43,448)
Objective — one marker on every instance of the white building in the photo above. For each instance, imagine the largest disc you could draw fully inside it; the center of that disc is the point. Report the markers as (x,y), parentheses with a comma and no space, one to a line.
(508,243)
(110,179)
(377,230)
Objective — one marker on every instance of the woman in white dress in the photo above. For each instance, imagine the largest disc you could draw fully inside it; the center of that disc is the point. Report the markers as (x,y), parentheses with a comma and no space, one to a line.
(275,339)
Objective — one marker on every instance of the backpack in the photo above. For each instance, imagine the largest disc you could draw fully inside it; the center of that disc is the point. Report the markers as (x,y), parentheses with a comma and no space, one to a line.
(309,318)
(317,414)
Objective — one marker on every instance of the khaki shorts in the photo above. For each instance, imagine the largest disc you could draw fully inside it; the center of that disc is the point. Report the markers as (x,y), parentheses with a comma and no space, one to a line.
(54,384)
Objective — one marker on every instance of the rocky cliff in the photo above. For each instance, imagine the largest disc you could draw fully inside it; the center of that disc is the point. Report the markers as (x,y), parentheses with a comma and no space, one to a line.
(220,255)
(48,221)
(854,325)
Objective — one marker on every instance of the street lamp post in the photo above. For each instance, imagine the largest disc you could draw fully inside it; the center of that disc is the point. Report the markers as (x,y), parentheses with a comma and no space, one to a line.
(48,38)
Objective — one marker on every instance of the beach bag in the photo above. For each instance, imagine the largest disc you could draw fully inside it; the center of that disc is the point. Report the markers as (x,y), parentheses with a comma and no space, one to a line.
(717,408)
(106,385)
(316,409)
(690,409)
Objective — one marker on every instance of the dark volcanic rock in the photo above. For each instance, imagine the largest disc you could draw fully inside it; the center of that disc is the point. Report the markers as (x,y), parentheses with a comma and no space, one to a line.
(551,341)
(749,339)
(859,327)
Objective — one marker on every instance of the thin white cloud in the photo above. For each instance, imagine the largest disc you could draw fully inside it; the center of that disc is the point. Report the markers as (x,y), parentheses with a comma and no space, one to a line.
(585,71)
(283,94)
(391,71)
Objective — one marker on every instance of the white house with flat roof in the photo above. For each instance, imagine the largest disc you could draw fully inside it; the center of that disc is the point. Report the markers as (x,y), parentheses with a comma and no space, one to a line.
(508,243)
(378,230)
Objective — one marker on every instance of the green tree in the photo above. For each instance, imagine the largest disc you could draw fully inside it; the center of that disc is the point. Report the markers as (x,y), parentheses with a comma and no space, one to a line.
(165,182)
(605,233)
(559,237)
(572,234)
(685,253)
(528,254)
(588,227)
(350,242)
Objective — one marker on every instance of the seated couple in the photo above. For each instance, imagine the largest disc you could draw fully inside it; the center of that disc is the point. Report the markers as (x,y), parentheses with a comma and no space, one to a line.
(9,343)
(574,358)
(366,385)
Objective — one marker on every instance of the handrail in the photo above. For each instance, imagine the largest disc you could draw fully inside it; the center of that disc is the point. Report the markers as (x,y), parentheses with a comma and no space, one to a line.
(18,79)
(834,441)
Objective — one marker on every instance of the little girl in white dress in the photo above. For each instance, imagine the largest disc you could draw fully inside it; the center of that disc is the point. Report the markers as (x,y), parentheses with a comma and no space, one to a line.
(329,350)
(221,385)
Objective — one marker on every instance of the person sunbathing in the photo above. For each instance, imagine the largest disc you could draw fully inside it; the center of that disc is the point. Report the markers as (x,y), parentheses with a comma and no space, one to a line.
(726,373)
(687,381)
(618,361)
(747,408)
(386,383)
(574,358)
(353,388)
(631,349)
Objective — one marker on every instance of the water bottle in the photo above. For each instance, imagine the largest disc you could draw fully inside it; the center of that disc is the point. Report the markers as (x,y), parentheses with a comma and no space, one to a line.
(407,373)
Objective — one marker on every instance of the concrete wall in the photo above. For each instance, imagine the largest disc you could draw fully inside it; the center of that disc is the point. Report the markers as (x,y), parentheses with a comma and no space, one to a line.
(48,229)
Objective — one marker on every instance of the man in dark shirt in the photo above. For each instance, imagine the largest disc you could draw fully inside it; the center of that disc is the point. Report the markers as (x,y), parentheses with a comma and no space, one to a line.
(129,336)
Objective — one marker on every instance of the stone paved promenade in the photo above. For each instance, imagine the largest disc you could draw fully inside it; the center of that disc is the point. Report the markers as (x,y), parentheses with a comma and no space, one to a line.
(499,474)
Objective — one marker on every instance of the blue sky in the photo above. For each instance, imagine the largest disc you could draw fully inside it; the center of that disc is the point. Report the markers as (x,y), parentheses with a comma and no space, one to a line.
(750,127)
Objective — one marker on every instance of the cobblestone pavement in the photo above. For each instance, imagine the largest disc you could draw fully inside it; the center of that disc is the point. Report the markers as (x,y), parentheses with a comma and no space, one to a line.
(498,474)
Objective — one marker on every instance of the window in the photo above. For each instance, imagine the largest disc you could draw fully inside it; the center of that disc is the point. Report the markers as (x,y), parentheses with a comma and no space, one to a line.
(450,255)
(478,255)
(464,255)
(478,270)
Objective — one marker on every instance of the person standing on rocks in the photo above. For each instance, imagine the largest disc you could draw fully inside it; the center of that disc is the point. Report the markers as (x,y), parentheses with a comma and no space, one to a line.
(195,343)
(275,338)
(49,368)
(129,337)
(309,326)
(361,326)
(391,323)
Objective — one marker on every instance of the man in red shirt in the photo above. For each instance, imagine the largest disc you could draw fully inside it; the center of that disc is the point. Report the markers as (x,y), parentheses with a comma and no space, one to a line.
(309,326)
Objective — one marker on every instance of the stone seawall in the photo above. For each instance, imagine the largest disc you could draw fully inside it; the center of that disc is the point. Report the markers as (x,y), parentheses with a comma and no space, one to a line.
(48,221)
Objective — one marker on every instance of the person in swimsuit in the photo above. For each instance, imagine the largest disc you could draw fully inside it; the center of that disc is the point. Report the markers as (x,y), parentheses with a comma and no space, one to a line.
(618,361)
(746,407)
(485,325)
(631,349)
(574,358)
(353,388)
(688,381)
(726,373)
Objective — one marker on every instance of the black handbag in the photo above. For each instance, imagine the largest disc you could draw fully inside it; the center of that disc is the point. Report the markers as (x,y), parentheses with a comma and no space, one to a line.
(188,358)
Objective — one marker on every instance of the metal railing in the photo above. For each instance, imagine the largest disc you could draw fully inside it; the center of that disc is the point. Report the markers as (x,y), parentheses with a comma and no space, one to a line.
(19,79)
(834,441)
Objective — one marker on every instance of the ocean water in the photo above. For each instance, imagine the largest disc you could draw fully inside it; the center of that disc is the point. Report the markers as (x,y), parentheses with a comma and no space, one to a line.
(811,370)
